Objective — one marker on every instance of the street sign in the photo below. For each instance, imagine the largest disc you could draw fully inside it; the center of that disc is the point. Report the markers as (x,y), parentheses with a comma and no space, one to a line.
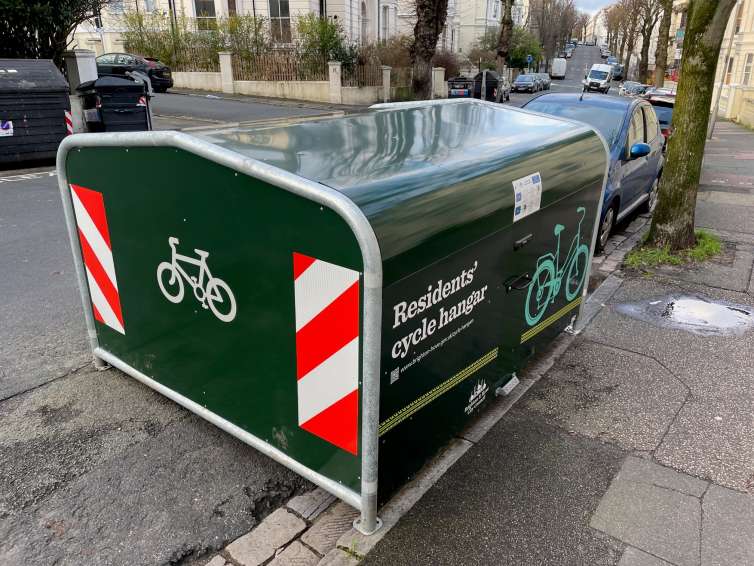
(529,58)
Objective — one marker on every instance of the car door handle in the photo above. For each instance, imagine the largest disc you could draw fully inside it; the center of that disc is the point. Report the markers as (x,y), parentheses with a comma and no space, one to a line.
(517,282)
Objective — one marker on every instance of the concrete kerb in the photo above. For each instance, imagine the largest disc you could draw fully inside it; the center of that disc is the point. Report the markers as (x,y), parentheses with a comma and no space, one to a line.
(352,546)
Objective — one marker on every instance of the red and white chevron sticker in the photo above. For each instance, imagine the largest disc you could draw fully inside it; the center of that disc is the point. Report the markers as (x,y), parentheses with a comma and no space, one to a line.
(96,249)
(327,350)
(68,122)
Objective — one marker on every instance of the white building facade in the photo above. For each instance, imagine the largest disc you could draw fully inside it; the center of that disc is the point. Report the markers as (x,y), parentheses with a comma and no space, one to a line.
(363,21)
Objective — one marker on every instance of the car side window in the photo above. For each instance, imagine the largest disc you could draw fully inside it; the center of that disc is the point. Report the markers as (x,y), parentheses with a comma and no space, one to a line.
(106,59)
(636,129)
(124,60)
(650,117)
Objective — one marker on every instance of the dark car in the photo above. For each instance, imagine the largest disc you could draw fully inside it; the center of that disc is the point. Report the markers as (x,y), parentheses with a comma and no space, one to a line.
(663,106)
(632,133)
(118,64)
(618,71)
(525,83)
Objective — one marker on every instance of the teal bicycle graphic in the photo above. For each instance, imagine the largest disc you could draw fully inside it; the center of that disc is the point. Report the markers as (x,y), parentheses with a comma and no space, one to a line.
(548,277)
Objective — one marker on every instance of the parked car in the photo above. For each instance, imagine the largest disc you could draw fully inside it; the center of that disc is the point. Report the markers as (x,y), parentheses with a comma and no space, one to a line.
(658,91)
(632,133)
(118,64)
(617,72)
(632,88)
(568,53)
(545,78)
(663,106)
(599,78)
(525,83)
(491,84)
(612,60)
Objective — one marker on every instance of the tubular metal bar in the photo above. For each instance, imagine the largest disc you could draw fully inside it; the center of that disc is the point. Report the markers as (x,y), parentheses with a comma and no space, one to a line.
(70,221)
(337,489)
(366,502)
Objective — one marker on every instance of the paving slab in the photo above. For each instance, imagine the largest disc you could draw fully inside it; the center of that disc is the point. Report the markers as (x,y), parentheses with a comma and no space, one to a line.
(523,495)
(602,392)
(662,522)
(326,531)
(295,554)
(645,471)
(728,530)
(635,557)
(258,546)
(713,437)
(312,504)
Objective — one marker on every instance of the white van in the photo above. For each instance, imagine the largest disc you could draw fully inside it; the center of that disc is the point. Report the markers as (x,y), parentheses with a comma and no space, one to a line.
(599,78)
(558,68)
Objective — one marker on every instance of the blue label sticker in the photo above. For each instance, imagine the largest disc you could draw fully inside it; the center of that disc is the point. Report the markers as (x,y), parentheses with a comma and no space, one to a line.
(535,179)
(518,210)
(518,197)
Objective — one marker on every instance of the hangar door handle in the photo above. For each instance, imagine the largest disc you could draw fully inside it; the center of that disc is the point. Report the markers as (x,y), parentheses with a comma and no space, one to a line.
(518,244)
(517,282)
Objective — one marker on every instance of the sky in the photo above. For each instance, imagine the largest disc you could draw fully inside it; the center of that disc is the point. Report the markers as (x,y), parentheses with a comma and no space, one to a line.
(592,6)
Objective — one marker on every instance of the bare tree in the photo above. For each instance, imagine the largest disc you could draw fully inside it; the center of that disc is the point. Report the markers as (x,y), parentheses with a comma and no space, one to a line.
(430,21)
(506,33)
(649,13)
(663,42)
(673,220)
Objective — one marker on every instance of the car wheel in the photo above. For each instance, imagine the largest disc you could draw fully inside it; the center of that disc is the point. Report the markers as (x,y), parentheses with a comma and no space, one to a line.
(606,228)
(650,204)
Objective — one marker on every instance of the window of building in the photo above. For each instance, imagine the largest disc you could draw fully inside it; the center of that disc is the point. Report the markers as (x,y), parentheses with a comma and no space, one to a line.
(747,69)
(384,22)
(205,14)
(495,6)
(149,5)
(322,8)
(728,70)
(683,20)
(231,7)
(280,21)
(739,17)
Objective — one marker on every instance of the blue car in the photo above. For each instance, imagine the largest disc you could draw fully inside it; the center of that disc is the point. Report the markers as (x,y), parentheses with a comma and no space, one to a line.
(632,133)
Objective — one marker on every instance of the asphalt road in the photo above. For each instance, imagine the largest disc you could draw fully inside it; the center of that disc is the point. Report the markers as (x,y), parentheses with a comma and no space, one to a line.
(179,111)
(95,468)
(582,60)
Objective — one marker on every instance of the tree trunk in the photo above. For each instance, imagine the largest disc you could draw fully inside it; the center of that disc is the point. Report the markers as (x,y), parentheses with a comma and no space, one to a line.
(673,220)
(430,21)
(506,32)
(661,53)
(646,36)
(622,52)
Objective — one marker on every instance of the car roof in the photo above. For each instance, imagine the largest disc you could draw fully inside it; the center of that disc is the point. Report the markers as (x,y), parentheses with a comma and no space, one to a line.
(600,100)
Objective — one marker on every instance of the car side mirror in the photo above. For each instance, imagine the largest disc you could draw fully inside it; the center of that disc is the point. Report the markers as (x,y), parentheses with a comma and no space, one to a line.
(640,150)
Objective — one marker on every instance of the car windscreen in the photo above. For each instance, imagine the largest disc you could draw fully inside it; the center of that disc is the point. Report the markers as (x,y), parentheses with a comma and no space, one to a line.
(599,75)
(607,121)
(664,114)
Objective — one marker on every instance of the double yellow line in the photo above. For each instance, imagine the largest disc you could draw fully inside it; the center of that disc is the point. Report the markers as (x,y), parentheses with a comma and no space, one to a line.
(534,330)
(433,394)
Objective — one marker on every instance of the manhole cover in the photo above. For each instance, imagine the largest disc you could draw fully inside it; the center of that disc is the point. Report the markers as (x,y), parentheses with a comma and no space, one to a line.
(695,314)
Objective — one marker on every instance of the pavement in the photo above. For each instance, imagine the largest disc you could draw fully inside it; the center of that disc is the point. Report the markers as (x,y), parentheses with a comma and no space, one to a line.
(637,447)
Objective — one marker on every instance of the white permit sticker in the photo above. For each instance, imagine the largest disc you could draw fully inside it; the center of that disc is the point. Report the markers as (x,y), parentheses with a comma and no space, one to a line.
(527,195)
(6,128)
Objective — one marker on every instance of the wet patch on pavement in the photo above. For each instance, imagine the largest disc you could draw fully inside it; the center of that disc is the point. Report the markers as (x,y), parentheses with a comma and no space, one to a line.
(696,314)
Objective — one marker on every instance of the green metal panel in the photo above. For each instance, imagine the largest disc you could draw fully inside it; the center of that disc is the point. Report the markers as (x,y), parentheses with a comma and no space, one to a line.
(243,370)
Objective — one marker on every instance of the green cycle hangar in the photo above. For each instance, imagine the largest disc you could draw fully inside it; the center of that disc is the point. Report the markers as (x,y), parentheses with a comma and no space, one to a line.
(343,294)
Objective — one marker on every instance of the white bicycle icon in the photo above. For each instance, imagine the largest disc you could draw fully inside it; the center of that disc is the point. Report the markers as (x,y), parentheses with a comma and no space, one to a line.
(212,292)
